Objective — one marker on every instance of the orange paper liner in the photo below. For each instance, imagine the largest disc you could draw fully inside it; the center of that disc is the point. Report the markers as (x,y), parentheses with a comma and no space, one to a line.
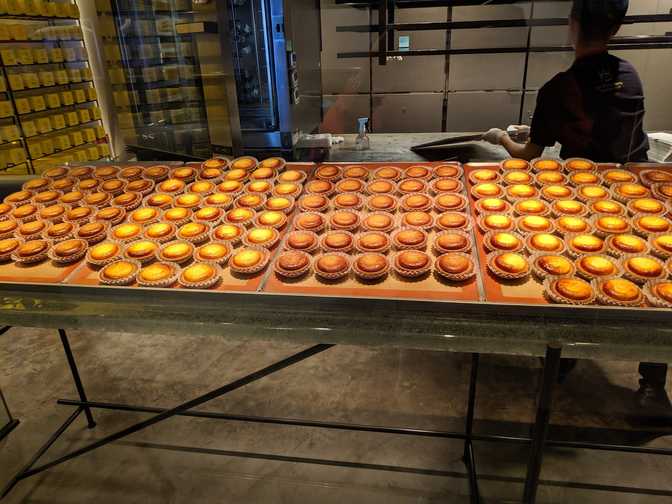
(457,175)
(113,192)
(337,275)
(295,273)
(645,233)
(480,221)
(647,179)
(608,182)
(532,250)
(622,210)
(503,163)
(278,168)
(119,281)
(474,181)
(31,259)
(84,219)
(530,178)
(609,195)
(388,210)
(575,253)
(97,237)
(639,279)
(400,246)
(652,298)
(466,227)
(339,186)
(244,223)
(8,234)
(130,173)
(116,220)
(505,275)
(142,260)
(70,259)
(590,276)
(309,250)
(428,175)
(563,232)
(541,273)
(304,176)
(568,164)
(256,208)
(212,221)
(7,256)
(557,213)
(458,189)
(321,209)
(351,227)
(535,161)
(223,166)
(205,284)
(368,275)
(408,273)
(278,225)
(146,199)
(191,206)
(179,260)
(287,210)
(44,204)
(129,206)
(57,239)
(614,251)
(441,250)
(422,189)
(274,174)
(551,198)
(657,191)
(295,194)
(603,233)
(327,248)
(634,211)
(380,250)
(319,173)
(514,198)
(375,175)
(456,277)
(318,229)
(233,241)
(621,198)
(604,299)
(180,222)
(106,172)
(597,180)
(539,182)
(223,206)
(441,208)
(356,207)
(487,242)
(267,245)
(163,175)
(476,195)
(553,295)
(103,262)
(165,282)
(221,261)
(392,191)
(655,250)
(212,189)
(199,238)
(523,230)
(252,269)
(187,180)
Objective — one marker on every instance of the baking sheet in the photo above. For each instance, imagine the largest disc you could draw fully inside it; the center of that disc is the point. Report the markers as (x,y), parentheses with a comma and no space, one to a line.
(430,286)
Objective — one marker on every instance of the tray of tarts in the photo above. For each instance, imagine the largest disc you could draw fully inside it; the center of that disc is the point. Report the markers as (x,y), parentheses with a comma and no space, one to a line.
(573,232)
(391,230)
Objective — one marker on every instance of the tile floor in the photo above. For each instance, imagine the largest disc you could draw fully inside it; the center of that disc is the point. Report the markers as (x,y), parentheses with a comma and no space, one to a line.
(350,384)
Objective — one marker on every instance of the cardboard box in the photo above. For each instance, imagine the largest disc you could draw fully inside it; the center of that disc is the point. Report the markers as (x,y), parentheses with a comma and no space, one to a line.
(37,103)
(43,125)
(8,57)
(22,105)
(29,128)
(53,100)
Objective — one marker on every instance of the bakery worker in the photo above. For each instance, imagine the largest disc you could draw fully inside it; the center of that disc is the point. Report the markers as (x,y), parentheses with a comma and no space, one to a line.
(595,110)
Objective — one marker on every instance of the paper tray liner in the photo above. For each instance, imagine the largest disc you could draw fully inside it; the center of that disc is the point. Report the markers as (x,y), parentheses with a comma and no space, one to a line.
(392,286)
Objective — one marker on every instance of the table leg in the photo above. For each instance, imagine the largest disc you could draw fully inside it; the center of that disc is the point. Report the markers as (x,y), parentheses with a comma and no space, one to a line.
(540,430)
(75,376)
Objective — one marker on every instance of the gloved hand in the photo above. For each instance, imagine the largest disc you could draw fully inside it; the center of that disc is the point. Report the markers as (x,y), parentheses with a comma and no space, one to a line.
(494,136)
(519,132)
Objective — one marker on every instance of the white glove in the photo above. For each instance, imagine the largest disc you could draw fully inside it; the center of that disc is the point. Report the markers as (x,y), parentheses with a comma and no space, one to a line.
(519,132)
(494,136)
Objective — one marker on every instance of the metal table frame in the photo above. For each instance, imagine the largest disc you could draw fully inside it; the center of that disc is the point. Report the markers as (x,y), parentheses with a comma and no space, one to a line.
(47,306)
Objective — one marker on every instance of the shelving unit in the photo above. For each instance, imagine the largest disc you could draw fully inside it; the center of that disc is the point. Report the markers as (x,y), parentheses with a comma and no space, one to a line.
(155,75)
(47,82)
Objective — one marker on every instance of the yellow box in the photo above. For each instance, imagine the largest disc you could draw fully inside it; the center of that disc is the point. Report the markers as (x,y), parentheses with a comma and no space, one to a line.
(17,155)
(15,7)
(3,84)
(37,103)
(67,98)
(17,32)
(56,55)
(35,7)
(91,94)
(80,155)
(100,131)
(75,75)
(153,96)
(76,137)
(35,150)
(69,54)
(80,95)
(89,135)
(73,10)
(47,145)
(104,149)
(62,142)
(92,153)
(8,57)
(6,109)
(53,100)
(84,115)
(47,78)
(95,112)
(21,169)
(24,56)
(86,74)
(29,128)
(116,75)
(57,121)
(40,55)
(4,31)
(31,80)
(43,125)
(62,10)
(125,120)
(71,118)
(16,82)
(121,98)
(11,133)
(22,105)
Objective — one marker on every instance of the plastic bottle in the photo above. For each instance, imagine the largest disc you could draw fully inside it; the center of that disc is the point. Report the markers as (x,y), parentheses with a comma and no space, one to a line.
(362,141)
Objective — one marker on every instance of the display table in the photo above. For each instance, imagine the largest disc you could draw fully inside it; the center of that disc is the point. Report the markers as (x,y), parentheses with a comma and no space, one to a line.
(481,314)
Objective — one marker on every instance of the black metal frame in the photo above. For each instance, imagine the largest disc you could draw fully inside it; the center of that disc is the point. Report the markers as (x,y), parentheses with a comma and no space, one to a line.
(538,440)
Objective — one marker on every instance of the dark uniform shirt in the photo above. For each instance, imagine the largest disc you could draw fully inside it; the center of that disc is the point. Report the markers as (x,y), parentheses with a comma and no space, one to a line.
(595,110)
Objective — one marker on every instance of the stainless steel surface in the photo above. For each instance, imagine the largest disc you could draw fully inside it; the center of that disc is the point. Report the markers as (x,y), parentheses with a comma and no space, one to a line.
(398,113)
(590,332)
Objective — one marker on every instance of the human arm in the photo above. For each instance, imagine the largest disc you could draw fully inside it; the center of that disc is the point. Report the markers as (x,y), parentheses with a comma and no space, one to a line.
(511,141)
